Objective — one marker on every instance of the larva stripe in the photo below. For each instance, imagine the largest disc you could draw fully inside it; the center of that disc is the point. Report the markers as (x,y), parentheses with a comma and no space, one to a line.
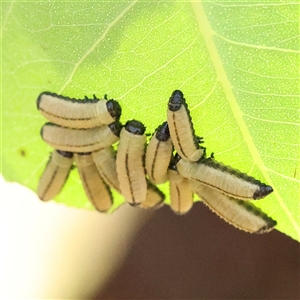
(154,198)
(263,189)
(73,113)
(158,156)
(96,189)
(240,214)
(224,179)
(78,140)
(182,130)
(181,195)
(105,160)
(54,176)
(151,162)
(130,165)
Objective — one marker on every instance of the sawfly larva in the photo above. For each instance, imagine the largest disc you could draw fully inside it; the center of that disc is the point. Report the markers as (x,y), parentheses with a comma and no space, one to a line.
(154,198)
(95,188)
(105,160)
(242,215)
(182,132)
(224,179)
(55,174)
(80,140)
(158,155)
(130,162)
(86,113)
(181,195)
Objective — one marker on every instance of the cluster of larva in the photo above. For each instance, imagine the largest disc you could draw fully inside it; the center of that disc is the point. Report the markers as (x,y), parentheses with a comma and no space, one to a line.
(85,131)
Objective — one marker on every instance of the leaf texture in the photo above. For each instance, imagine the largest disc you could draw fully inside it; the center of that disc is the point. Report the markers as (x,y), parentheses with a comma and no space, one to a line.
(237,64)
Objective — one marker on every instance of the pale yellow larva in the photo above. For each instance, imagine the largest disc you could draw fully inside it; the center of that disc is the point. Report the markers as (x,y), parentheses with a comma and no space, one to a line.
(224,179)
(80,140)
(240,214)
(105,160)
(55,174)
(86,113)
(181,195)
(158,155)
(95,188)
(130,162)
(154,198)
(185,142)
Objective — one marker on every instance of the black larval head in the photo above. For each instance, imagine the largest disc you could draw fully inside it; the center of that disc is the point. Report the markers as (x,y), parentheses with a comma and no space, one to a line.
(116,127)
(114,108)
(135,127)
(65,153)
(174,160)
(162,132)
(263,191)
(176,100)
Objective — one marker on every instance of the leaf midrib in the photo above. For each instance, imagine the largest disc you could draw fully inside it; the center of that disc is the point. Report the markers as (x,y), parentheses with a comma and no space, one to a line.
(208,33)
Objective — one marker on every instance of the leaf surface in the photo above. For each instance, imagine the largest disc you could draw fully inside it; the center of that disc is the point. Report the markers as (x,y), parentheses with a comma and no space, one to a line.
(237,64)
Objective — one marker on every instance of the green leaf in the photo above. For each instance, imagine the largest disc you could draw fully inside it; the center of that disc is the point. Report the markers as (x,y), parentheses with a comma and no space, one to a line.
(237,64)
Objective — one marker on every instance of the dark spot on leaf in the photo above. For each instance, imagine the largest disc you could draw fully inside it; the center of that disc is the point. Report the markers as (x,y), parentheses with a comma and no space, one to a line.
(22,152)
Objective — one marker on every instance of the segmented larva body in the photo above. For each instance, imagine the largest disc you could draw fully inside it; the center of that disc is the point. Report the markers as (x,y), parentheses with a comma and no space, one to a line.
(55,174)
(105,160)
(242,215)
(95,188)
(158,155)
(185,142)
(224,179)
(181,194)
(90,127)
(80,140)
(86,113)
(130,162)
(154,198)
